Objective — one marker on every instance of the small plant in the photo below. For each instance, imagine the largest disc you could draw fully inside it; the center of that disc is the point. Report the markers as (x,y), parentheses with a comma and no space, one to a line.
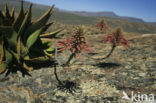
(102,25)
(21,47)
(115,38)
(77,44)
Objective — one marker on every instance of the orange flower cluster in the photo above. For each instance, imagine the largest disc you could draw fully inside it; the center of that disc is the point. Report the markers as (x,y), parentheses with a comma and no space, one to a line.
(102,25)
(75,44)
(116,38)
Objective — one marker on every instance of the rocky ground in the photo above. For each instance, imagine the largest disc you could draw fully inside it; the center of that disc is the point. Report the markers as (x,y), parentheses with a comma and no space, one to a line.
(131,70)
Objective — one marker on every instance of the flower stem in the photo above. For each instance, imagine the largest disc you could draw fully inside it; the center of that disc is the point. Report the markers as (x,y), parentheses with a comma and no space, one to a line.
(70,58)
(113,48)
(56,75)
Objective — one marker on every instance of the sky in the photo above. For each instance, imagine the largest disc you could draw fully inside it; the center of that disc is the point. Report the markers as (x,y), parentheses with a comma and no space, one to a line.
(144,9)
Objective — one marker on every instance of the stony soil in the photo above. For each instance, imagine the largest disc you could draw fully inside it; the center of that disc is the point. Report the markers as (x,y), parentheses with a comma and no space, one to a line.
(101,81)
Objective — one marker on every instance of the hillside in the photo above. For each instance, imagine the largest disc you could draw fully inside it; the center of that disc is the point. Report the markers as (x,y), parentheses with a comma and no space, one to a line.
(72,18)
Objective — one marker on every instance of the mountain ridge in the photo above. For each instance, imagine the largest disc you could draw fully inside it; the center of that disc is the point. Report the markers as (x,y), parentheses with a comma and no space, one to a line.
(67,17)
(109,14)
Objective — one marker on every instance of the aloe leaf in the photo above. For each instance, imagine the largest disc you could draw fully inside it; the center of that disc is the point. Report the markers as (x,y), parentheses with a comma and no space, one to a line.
(12,15)
(27,67)
(8,57)
(51,35)
(6,11)
(37,60)
(2,51)
(18,20)
(50,50)
(19,47)
(24,50)
(3,67)
(11,37)
(38,23)
(12,12)
(1,15)
(15,55)
(47,43)
(6,31)
(47,26)
(37,49)
(32,38)
(25,23)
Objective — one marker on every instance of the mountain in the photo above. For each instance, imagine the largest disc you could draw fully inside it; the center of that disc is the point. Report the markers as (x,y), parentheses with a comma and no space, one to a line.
(152,23)
(131,19)
(96,14)
(91,18)
(106,14)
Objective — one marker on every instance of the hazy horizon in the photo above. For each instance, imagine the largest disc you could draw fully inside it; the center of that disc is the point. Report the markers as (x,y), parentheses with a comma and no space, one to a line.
(143,9)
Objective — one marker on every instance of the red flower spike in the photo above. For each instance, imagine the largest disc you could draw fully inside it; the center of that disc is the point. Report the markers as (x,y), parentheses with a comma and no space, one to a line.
(116,38)
(102,25)
(76,44)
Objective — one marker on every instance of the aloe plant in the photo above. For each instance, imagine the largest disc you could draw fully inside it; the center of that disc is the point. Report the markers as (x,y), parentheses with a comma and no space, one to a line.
(22,47)
(102,25)
(77,44)
(115,38)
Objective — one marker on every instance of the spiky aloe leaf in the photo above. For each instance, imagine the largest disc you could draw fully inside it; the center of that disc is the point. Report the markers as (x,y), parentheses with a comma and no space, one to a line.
(37,49)
(51,35)
(24,50)
(47,26)
(26,21)
(12,14)
(49,50)
(38,23)
(10,35)
(1,15)
(3,67)
(33,38)
(1,18)
(6,11)
(19,19)
(19,47)
(15,55)
(37,60)
(1,52)
(8,57)
(6,32)
(47,43)
(29,68)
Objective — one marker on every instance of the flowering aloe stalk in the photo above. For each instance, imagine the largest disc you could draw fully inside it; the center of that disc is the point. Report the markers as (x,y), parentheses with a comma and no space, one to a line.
(76,44)
(116,38)
(102,25)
